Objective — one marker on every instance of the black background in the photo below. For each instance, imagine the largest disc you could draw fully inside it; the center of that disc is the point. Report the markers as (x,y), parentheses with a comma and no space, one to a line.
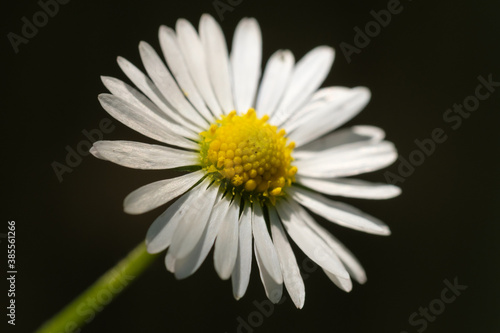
(444,225)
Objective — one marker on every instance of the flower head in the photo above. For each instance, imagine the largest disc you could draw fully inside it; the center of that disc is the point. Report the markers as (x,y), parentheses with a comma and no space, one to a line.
(248,155)
(257,150)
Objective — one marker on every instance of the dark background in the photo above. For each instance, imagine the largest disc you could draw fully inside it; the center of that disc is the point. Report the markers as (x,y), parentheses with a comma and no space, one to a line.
(444,225)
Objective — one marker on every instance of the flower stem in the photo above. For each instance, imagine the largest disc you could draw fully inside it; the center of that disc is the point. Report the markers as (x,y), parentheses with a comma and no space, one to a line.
(84,308)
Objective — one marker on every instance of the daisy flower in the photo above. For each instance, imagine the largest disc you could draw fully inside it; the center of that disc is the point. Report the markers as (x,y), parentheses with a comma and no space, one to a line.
(258,149)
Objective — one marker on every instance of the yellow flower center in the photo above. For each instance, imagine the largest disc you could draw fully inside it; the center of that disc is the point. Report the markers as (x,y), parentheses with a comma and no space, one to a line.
(248,155)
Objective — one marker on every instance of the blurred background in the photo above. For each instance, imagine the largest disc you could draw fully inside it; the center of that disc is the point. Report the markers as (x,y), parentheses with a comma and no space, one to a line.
(71,228)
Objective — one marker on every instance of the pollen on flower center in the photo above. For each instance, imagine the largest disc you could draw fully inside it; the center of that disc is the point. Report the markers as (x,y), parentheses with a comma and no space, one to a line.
(249,155)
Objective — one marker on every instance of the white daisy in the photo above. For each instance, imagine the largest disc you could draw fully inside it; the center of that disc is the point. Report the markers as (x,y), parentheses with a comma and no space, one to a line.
(257,154)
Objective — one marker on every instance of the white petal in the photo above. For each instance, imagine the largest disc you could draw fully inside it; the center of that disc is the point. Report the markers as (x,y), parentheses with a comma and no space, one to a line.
(162,78)
(138,100)
(264,245)
(347,138)
(274,290)
(153,195)
(146,123)
(328,97)
(334,114)
(352,188)
(179,69)
(344,284)
(241,273)
(318,100)
(348,259)
(149,89)
(274,81)
(161,232)
(142,155)
(246,57)
(195,58)
(346,161)
(350,262)
(215,47)
(291,272)
(339,212)
(308,75)
(194,220)
(170,262)
(226,245)
(295,220)
(184,267)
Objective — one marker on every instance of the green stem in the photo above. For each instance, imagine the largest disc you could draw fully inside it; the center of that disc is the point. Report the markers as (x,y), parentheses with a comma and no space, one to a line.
(93,300)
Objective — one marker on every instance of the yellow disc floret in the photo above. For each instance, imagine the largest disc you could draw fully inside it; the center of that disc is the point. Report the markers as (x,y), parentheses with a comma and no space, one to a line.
(249,155)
